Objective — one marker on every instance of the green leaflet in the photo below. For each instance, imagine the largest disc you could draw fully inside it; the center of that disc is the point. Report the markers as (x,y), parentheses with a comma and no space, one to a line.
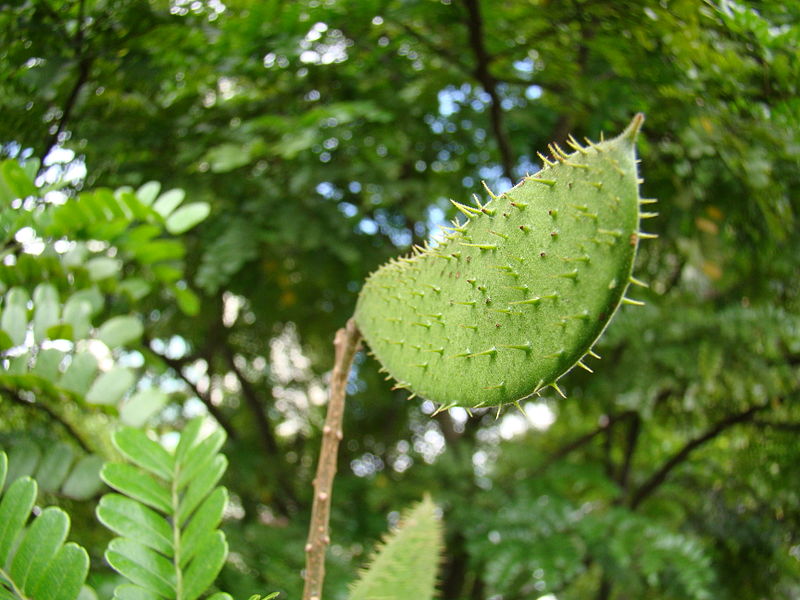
(515,297)
(167,514)
(35,563)
(405,565)
(56,469)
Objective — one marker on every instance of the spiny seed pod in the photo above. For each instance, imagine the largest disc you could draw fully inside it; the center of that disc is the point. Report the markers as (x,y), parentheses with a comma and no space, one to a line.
(517,295)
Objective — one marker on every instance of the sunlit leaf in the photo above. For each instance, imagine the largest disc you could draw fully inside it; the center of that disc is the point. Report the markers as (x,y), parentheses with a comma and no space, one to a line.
(119,331)
(111,386)
(141,406)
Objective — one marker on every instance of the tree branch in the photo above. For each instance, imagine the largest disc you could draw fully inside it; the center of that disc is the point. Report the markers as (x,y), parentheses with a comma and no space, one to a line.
(487,80)
(255,406)
(581,441)
(440,51)
(658,478)
(266,436)
(84,68)
(346,344)
(604,590)
(630,448)
(177,365)
(786,426)
(15,397)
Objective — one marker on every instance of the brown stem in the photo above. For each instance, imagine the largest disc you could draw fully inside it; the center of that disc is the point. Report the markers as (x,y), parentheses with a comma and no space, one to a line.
(346,344)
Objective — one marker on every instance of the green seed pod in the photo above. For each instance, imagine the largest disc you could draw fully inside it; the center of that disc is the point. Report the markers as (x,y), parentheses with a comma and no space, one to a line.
(515,297)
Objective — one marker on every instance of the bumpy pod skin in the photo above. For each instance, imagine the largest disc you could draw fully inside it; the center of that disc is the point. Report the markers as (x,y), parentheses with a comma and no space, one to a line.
(515,297)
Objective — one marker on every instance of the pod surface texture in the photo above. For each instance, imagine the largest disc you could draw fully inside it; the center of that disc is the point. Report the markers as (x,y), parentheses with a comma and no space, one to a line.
(516,296)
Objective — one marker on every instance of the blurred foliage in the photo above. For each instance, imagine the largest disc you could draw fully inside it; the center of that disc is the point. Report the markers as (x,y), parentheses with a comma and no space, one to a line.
(327,136)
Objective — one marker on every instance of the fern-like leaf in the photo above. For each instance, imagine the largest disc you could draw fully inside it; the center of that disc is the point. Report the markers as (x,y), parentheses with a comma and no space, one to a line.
(405,566)
(166,514)
(35,563)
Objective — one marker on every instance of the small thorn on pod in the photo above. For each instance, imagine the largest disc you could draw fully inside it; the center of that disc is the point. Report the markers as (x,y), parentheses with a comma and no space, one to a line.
(468,211)
(488,191)
(626,300)
(632,130)
(560,156)
(647,236)
(548,182)
(554,385)
(481,246)
(573,143)
(442,408)
(520,409)
(499,410)
(534,300)
(546,160)
(638,282)
(594,354)
(584,367)
(593,145)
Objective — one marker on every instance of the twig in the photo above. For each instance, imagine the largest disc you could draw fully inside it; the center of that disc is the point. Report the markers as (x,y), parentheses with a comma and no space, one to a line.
(346,344)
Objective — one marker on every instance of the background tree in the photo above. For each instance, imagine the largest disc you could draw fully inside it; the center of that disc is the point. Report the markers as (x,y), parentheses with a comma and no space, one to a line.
(328,136)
